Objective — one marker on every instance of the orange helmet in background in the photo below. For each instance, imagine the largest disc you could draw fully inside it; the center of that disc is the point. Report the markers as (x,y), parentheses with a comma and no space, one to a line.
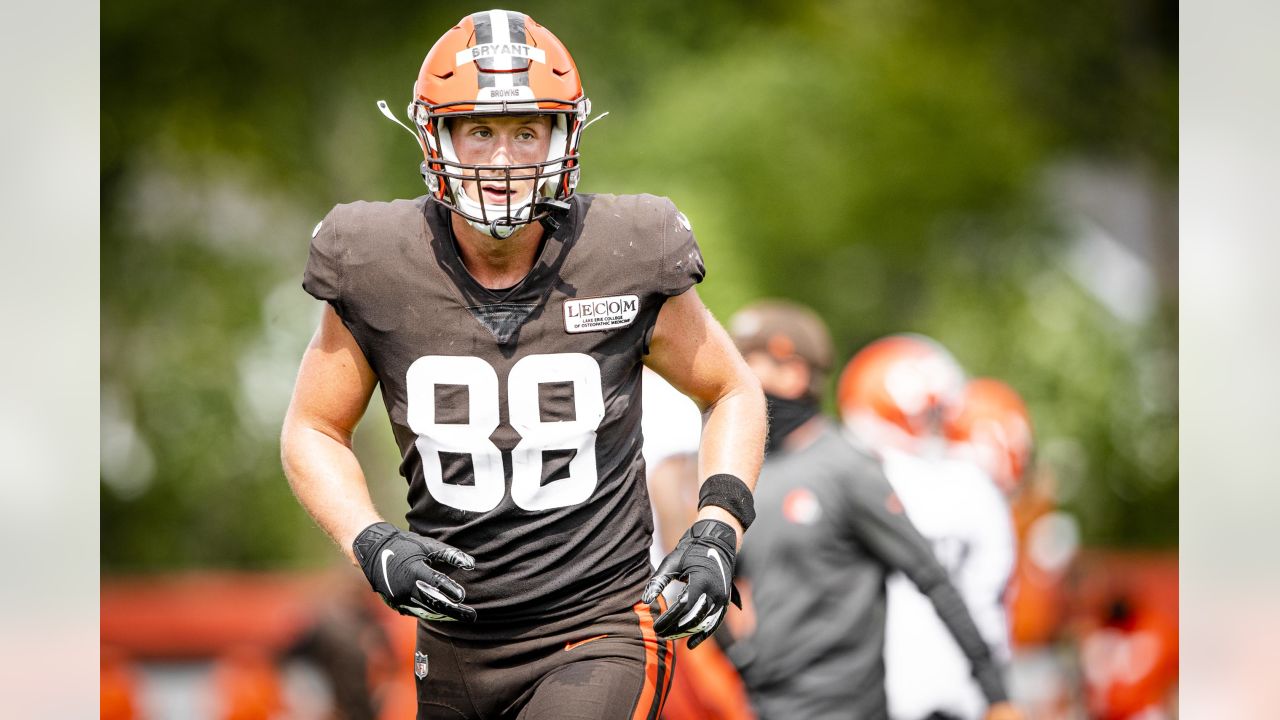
(993,429)
(898,390)
(499,62)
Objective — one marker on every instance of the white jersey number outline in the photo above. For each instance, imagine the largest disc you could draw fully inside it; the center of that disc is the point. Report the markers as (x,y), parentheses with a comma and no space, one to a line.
(537,435)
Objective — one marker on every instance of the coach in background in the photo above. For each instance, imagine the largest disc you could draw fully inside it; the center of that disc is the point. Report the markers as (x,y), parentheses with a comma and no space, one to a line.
(828,531)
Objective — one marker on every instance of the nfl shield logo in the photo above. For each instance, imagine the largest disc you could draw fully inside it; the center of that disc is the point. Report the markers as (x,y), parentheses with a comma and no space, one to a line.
(420,665)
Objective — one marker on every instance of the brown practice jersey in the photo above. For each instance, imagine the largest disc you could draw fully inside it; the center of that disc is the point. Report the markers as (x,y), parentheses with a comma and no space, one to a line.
(516,411)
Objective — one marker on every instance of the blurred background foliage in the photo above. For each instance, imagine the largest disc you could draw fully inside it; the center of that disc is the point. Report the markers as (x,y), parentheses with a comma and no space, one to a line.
(999,175)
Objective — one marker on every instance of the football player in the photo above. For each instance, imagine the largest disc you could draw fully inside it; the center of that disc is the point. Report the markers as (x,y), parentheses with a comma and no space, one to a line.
(898,395)
(829,531)
(507,318)
(992,429)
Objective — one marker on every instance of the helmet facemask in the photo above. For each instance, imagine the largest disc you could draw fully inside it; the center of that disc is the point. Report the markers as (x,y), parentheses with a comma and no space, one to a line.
(554,179)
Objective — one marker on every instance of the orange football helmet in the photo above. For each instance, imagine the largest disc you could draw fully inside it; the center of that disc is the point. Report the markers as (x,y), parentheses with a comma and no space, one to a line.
(499,62)
(897,391)
(993,425)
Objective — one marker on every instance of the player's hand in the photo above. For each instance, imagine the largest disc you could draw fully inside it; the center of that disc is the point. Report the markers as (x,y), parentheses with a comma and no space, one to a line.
(397,566)
(704,560)
(1004,711)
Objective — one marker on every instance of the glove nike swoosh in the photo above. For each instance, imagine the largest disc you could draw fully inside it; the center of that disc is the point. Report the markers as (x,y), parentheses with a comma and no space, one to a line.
(711,552)
(705,550)
(386,555)
(382,544)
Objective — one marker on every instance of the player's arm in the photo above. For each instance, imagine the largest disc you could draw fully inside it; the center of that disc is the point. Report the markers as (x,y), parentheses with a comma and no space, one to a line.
(333,388)
(693,353)
(332,391)
(879,522)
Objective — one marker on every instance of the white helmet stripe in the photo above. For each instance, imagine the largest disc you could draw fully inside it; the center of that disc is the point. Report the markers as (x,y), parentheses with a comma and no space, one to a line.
(501,29)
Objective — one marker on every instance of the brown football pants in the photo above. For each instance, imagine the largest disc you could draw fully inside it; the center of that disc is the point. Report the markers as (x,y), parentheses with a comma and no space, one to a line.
(614,668)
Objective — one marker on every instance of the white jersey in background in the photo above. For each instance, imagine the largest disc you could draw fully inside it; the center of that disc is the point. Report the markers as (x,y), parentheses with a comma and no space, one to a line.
(670,422)
(671,425)
(964,516)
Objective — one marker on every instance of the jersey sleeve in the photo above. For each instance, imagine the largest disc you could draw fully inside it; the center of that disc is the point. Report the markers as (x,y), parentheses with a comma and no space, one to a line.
(881,524)
(322,278)
(682,265)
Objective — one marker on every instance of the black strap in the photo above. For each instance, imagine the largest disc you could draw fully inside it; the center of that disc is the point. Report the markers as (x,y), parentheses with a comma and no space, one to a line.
(730,494)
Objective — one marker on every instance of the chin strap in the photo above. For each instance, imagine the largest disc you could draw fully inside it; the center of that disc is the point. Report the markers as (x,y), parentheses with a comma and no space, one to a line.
(496,229)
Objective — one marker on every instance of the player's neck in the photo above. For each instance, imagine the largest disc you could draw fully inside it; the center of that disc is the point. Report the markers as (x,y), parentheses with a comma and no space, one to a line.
(497,263)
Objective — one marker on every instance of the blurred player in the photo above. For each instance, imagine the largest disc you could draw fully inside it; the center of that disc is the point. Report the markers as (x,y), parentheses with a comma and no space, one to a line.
(507,319)
(897,395)
(993,429)
(349,648)
(829,531)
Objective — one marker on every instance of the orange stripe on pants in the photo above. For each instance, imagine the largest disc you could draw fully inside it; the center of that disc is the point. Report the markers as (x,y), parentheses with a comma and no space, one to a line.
(671,671)
(649,694)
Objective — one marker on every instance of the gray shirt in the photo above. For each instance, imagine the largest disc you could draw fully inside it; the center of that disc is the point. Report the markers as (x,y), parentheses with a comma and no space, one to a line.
(828,531)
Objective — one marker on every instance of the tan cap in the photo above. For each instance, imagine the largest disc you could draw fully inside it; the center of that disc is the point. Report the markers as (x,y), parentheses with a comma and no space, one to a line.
(784,329)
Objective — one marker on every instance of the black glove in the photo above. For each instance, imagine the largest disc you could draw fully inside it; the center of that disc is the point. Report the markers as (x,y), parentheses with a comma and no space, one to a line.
(396,564)
(704,560)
